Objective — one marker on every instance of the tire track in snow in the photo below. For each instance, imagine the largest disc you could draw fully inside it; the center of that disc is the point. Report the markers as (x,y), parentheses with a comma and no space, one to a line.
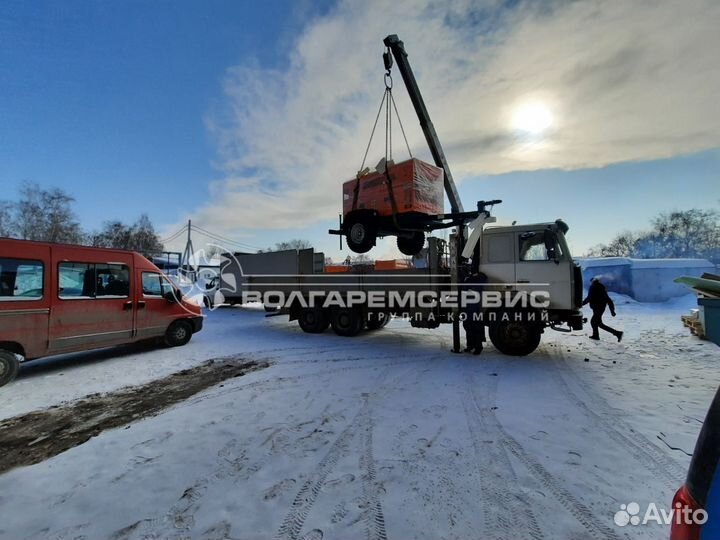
(640,448)
(374,517)
(513,516)
(594,527)
(305,499)
(290,379)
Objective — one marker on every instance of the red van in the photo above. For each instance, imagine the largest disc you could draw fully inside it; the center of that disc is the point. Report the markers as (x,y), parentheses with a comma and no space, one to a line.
(57,298)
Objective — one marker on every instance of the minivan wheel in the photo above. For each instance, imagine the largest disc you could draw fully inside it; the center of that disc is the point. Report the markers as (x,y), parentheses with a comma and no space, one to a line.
(9,367)
(178,334)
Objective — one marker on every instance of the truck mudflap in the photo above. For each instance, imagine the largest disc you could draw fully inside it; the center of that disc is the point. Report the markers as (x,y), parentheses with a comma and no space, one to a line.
(573,318)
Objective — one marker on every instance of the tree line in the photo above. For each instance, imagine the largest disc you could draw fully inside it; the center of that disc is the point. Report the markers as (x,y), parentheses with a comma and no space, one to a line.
(690,233)
(46,215)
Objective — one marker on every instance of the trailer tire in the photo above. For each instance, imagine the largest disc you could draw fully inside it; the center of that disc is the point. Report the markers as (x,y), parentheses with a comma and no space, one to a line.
(9,367)
(376,322)
(515,338)
(411,245)
(346,322)
(313,320)
(178,334)
(361,234)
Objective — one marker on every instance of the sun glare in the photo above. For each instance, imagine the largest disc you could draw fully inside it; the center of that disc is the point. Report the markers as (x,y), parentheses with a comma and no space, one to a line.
(533,117)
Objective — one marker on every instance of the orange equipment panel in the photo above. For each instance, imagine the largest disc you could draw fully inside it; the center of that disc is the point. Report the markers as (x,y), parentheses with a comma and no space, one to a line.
(417,186)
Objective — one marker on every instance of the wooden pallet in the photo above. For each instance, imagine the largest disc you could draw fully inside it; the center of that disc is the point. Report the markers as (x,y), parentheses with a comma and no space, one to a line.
(694,324)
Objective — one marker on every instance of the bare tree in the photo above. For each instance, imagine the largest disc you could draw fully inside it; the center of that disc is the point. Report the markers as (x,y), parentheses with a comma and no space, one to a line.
(140,236)
(6,218)
(688,233)
(295,243)
(45,215)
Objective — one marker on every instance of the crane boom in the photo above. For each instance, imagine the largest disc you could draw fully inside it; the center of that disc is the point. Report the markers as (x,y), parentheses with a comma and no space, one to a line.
(398,51)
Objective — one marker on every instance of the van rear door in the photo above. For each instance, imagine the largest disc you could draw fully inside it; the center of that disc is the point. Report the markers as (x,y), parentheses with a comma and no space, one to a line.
(93,304)
(25,296)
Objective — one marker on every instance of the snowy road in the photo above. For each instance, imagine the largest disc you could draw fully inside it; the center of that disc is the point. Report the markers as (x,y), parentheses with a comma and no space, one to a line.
(387,435)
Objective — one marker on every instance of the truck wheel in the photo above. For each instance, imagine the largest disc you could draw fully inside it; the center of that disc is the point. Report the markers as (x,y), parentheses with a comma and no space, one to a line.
(515,338)
(346,322)
(313,320)
(9,367)
(360,234)
(411,245)
(178,334)
(376,321)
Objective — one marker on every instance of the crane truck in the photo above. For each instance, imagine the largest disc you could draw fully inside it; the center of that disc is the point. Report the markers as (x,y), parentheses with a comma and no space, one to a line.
(520,262)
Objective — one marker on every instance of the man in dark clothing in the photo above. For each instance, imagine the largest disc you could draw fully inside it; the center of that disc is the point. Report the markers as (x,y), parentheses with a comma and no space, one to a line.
(599,299)
(473,324)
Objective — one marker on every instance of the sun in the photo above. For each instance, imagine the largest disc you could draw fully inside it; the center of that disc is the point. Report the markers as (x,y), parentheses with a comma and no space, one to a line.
(532,117)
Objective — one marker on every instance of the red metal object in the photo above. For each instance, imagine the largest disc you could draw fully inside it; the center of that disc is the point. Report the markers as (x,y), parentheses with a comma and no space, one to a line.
(679,529)
(91,308)
(417,187)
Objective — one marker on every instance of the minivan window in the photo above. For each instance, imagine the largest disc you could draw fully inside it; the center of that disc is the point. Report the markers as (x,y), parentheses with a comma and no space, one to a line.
(112,281)
(154,284)
(21,279)
(89,280)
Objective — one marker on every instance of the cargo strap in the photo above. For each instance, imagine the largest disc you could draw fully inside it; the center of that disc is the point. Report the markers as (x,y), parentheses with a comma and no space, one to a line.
(389,102)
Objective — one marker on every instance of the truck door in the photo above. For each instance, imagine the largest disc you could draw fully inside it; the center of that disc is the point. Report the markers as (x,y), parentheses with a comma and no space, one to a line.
(498,258)
(543,265)
(93,306)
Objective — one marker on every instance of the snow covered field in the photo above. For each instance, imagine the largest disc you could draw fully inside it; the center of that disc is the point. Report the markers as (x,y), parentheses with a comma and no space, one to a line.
(387,435)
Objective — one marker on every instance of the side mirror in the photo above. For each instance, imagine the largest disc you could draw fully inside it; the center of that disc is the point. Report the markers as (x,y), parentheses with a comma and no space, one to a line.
(172,296)
(549,241)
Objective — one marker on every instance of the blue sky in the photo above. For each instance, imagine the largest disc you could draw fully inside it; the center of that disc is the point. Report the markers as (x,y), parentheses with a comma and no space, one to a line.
(106,100)
(131,107)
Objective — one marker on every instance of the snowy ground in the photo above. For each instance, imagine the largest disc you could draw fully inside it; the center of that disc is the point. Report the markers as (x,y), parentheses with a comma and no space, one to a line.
(387,435)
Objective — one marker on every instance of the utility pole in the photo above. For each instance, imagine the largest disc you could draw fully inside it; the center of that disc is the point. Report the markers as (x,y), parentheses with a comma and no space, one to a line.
(188,253)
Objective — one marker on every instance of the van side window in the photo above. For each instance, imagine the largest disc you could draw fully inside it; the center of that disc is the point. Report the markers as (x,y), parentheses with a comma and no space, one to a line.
(88,280)
(112,280)
(155,284)
(21,279)
(500,249)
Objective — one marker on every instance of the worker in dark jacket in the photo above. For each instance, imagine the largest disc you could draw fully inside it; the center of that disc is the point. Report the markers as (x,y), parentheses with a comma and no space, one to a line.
(599,299)
(473,324)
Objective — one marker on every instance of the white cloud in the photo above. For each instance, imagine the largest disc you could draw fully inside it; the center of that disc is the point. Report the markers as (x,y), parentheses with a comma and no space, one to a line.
(623,80)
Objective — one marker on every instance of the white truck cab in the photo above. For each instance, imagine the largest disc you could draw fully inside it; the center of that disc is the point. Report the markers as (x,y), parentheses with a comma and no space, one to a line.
(535,257)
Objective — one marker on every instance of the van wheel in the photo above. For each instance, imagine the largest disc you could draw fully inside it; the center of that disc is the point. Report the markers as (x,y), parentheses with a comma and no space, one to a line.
(9,367)
(515,338)
(178,334)
(347,322)
(411,245)
(313,320)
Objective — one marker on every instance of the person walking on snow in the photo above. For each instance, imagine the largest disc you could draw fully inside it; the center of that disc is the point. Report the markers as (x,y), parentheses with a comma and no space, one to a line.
(599,299)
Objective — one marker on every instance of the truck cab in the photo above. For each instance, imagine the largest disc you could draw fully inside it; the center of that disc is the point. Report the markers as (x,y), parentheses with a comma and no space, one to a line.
(535,257)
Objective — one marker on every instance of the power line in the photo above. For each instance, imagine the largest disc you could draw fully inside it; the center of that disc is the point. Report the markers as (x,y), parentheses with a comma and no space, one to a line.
(219,238)
(173,236)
